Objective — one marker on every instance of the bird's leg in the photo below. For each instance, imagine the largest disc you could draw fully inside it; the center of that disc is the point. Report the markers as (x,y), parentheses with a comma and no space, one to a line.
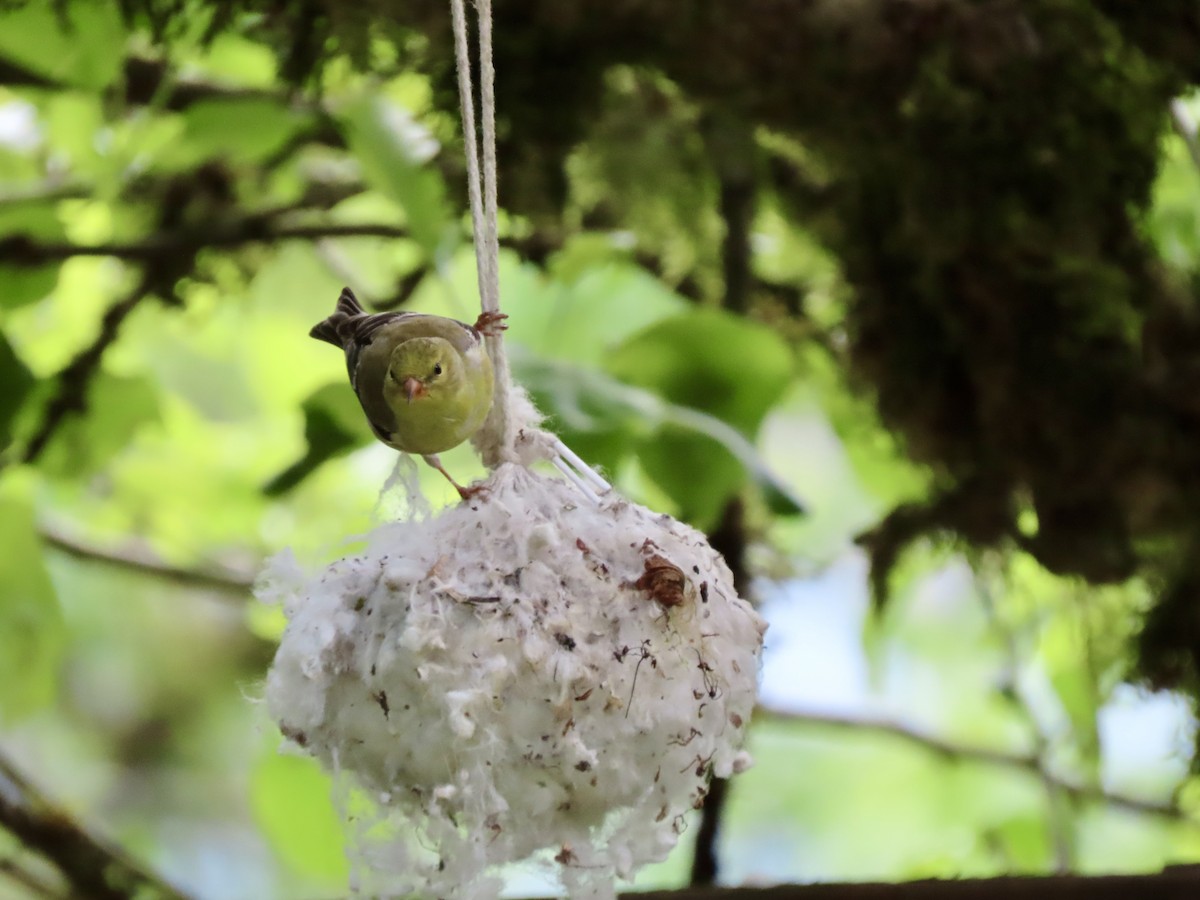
(491,323)
(466,493)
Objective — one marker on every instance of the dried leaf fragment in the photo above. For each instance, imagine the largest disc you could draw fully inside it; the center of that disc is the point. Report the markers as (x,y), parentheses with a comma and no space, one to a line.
(663,581)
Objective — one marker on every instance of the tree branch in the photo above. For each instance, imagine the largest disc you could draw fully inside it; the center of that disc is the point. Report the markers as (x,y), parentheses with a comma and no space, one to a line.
(1026,762)
(732,150)
(727,146)
(14,75)
(47,191)
(22,250)
(71,393)
(93,868)
(144,563)
(1173,883)
(728,539)
(1058,824)
(153,82)
(165,256)
(10,869)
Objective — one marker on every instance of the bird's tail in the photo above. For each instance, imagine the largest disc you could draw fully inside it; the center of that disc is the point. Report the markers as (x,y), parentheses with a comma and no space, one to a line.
(347,308)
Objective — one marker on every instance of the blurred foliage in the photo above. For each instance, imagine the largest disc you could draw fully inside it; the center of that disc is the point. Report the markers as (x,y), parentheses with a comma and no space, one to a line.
(185,188)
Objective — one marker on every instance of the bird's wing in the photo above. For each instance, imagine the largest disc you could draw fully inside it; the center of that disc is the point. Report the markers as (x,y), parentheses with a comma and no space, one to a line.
(461,336)
(358,333)
(368,341)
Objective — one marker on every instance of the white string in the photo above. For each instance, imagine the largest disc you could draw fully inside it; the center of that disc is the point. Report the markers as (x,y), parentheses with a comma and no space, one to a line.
(466,97)
(501,447)
(487,94)
(491,293)
(576,479)
(484,209)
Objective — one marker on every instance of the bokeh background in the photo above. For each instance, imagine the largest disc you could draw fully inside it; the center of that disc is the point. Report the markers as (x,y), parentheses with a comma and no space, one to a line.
(892,300)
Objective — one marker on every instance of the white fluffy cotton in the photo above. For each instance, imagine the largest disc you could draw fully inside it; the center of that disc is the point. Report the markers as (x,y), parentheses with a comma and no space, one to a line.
(506,678)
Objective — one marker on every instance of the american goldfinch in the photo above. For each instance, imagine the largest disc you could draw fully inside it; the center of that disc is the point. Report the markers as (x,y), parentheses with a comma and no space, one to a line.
(424,382)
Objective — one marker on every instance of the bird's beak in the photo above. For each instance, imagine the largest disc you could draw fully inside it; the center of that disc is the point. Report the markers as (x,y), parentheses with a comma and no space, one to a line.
(413,388)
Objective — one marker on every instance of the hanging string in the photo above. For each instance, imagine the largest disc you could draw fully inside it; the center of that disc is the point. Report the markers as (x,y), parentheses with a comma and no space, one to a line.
(487,95)
(500,444)
(482,193)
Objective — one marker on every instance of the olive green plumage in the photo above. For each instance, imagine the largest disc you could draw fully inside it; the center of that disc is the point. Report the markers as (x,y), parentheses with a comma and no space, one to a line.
(424,382)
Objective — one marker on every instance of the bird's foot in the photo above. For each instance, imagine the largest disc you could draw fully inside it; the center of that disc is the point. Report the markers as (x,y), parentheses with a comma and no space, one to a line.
(466,493)
(470,493)
(491,323)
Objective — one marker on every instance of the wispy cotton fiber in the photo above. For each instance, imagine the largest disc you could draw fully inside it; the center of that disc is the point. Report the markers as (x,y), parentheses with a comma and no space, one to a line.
(524,672)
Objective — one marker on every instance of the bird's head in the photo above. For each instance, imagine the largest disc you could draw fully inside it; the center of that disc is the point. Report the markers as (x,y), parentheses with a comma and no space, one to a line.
(421,367)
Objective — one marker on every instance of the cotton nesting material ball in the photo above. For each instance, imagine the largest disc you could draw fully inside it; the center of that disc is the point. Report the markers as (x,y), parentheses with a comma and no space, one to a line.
(524,672)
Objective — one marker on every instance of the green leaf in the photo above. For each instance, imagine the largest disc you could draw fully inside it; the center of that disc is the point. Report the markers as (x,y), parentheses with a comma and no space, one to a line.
(80,44)
(36,219)
(334,424)
(244,129)
(585,254)
(714,363)
(73,122)
(603,420)
(31,216)
(236,59)
(117,407)
(32,636)
(394,150)
(1025,841)
(1173,220)
(1077,693)
(711,361)
(291,800)
(17,381)
(697,473)
(24,285)
(582,319)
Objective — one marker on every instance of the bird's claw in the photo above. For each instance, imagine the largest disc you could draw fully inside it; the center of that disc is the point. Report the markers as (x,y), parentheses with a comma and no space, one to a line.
(491,323)
(470,493)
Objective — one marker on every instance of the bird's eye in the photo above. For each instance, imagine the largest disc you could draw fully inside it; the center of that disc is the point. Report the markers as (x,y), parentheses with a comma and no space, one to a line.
(437,369)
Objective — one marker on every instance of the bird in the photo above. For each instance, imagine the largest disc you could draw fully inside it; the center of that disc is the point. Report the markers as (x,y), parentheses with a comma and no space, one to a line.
(424,382)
